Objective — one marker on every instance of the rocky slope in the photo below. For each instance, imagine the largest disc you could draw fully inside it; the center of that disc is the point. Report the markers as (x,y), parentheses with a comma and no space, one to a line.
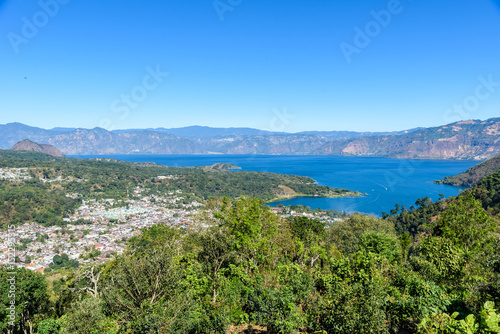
(28,145)
(472,139)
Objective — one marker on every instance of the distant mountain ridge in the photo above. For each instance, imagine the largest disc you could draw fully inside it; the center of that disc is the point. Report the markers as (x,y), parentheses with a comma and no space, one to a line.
(473,139)
(197,131)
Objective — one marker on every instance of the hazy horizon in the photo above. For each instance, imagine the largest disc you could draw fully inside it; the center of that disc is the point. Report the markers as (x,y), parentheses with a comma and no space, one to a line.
(233,127)
(288,66)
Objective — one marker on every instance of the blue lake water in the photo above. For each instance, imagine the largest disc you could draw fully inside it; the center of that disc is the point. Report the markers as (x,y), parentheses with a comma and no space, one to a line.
(386,181)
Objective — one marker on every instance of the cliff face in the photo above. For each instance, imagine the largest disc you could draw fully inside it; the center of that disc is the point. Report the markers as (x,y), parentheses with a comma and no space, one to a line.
(462,140)
(28,145)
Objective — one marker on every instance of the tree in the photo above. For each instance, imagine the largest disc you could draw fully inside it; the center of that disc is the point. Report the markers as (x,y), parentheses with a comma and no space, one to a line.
(29,294)
(48,326)
(91,253)
(90,276)
(57,259)
(308,235)
(405,242)
(467,225)
(254,228)
(345,235)
(216,251)
(85,317)
(381,243)
(153,236)
(439,260)
(144,290)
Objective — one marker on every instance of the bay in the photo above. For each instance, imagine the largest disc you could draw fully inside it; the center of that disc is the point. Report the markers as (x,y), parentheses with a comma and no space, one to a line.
(385,181)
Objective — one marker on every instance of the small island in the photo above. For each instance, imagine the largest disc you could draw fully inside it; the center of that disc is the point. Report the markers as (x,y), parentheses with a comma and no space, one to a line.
(285,193)
(220,166)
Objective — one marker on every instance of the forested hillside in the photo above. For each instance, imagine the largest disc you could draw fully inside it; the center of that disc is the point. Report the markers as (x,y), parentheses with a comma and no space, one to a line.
(415,219)
(435,271)
(43,197)
(474,174)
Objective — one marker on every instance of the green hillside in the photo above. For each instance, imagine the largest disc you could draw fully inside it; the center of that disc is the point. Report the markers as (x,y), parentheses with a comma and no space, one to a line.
(252,271)
(43,197)
(419,218)
(474,174)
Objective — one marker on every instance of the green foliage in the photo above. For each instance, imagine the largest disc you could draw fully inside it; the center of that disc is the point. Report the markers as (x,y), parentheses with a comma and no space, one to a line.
(489,318)
(153,236)
(48,326)
(254,229)
(467,224)
(413,298)
(487,191)
(354,298)
(216,253)
(84,317)
(28,291)
(346,234)
(382,244)
(413,220)
(474,174)
(441,323)
(405,242)
(91,253)
(63,261)
(439,260)
(144,290)
(215,318)
(248,265)
(32,201)
(276,309)
(293,276)
(309,236)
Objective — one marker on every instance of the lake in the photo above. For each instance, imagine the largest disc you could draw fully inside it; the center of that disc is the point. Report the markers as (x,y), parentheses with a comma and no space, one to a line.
(385,181)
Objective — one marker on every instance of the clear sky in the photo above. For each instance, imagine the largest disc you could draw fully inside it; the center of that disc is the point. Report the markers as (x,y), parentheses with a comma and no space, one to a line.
(284,65)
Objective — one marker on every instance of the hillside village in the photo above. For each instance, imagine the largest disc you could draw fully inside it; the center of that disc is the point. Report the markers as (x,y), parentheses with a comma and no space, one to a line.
(102,227)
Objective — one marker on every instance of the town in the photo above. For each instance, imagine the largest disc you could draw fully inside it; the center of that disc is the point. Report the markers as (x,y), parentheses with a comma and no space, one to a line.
(99,229)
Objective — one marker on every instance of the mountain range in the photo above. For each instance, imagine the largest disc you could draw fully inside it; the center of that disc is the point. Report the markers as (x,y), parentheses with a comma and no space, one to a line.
(472,139)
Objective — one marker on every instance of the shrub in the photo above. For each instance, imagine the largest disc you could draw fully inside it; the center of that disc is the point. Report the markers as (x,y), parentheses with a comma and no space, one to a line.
(381,243)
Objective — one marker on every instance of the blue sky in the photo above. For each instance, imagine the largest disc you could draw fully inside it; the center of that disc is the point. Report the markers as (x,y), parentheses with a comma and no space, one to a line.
(276,65)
